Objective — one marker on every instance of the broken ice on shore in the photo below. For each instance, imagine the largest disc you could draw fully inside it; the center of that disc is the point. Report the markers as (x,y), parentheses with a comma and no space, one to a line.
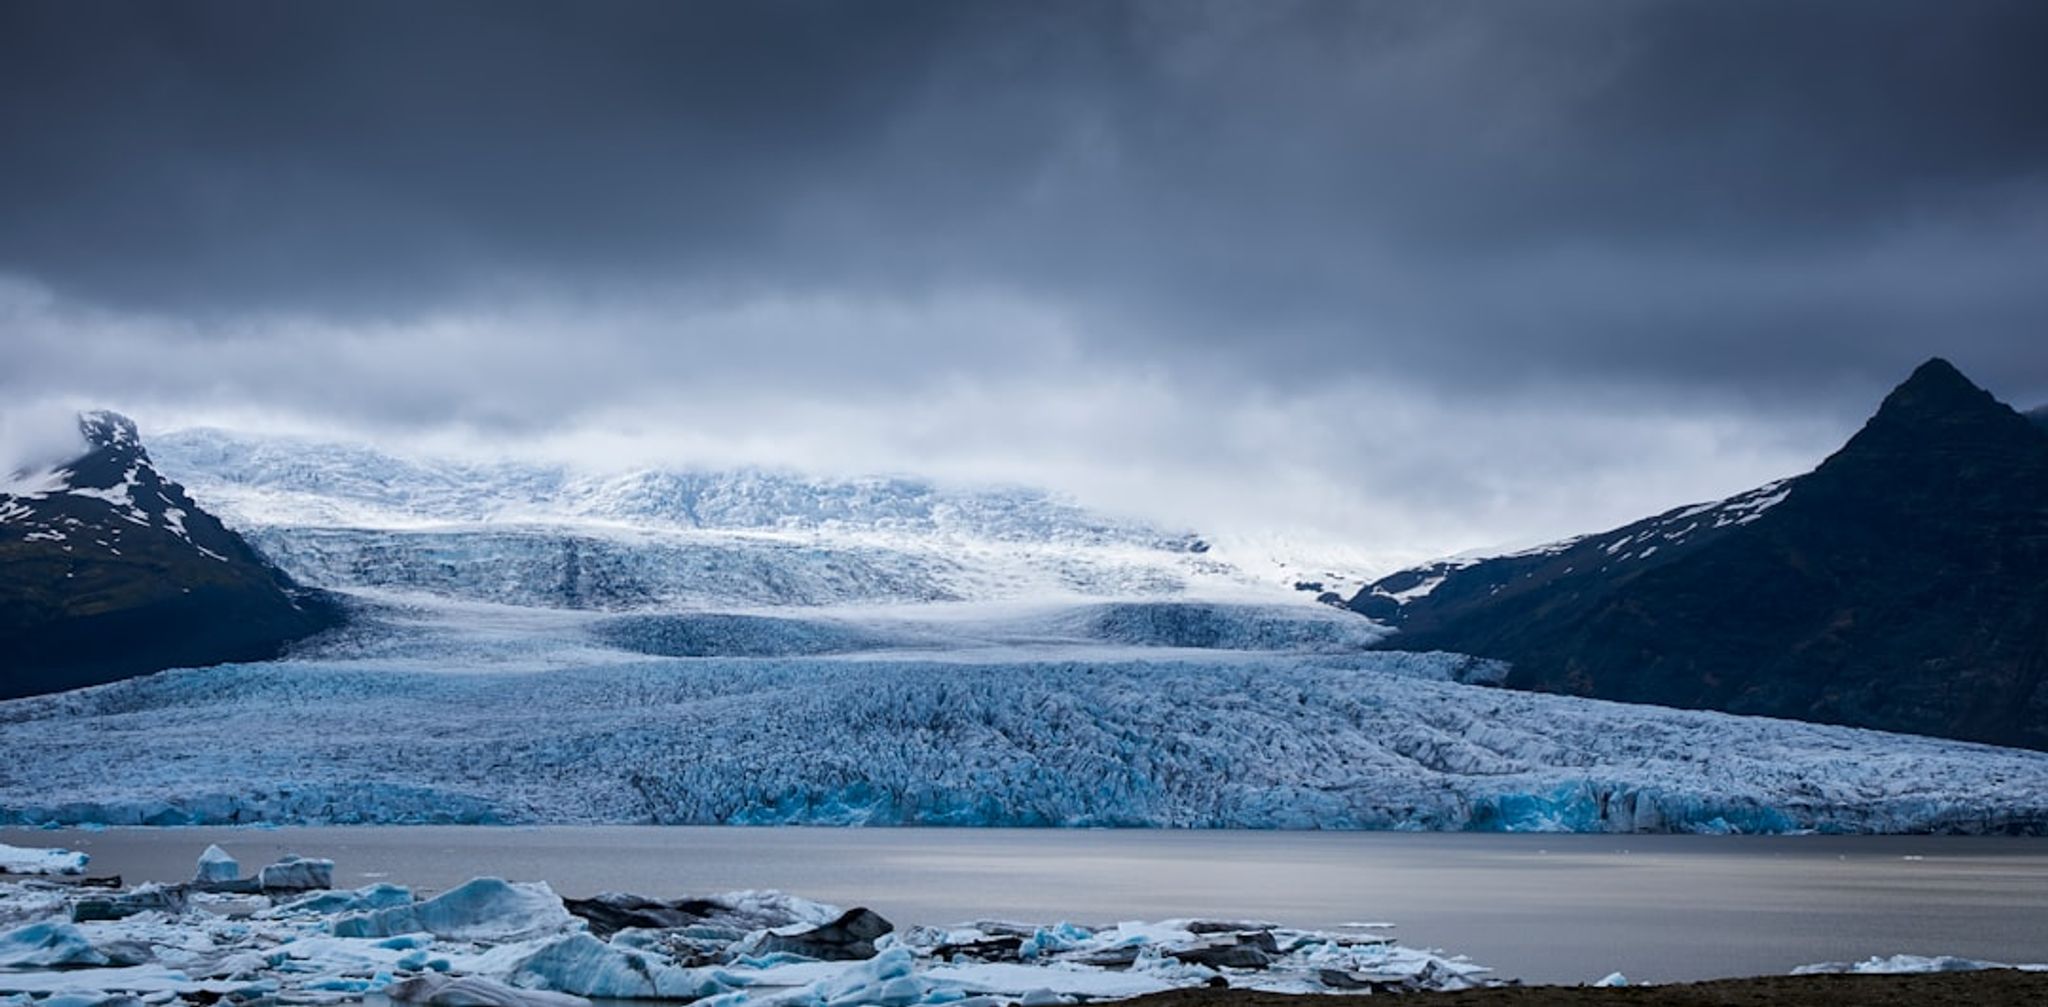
(275,938)
(1908,965)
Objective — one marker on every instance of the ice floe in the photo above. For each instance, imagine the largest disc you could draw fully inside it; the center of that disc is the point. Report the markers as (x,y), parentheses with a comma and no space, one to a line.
(32,860)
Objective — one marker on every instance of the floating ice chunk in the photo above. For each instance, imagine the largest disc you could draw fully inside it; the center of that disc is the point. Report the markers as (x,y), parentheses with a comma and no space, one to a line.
(297,874)
(34,860)
(1008,980)
(583,965)
(170,900)
(474,991)
(337,955)
(484,909)
(85,998)
(1613,979)
(889,979)
(216,866)
(138,979)
(47,945)
(363,900)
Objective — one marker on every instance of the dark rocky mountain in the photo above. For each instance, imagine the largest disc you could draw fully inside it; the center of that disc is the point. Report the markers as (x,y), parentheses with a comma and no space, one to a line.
(109,570)
(2040,416)
(1902,585)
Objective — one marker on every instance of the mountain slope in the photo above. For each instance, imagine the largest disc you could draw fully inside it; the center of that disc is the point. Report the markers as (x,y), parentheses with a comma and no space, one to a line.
(1901,585)
(108,570)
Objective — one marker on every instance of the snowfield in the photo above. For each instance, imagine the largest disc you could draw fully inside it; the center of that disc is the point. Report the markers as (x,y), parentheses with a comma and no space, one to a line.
(345,516)
(480,714)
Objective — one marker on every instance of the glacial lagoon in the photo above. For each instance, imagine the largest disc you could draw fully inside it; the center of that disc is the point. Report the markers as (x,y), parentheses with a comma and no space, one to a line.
(1543,908)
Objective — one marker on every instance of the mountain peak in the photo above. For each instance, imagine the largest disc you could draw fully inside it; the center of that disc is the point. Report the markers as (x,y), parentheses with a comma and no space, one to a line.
(1937,384)
(104,428)
(1937,413)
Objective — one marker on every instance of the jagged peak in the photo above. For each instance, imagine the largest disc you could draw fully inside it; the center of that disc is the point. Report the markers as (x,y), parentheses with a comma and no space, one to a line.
(104,428)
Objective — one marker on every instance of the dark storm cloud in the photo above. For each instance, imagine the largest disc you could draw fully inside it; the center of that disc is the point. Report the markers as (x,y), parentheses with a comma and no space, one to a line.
(1443,250)
(1718,189)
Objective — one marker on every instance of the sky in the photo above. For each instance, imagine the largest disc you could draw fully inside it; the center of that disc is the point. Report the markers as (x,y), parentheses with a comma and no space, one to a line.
(1401,277)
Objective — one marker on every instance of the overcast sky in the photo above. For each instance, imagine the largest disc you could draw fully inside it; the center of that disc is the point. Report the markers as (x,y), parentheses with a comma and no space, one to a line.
(1414,277)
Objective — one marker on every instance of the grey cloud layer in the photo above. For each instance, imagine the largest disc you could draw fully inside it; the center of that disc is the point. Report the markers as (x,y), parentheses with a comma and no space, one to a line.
(528,212)
(1650,186)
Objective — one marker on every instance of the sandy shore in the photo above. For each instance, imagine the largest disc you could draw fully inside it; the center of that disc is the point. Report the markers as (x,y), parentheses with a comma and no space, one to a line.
(1951,989)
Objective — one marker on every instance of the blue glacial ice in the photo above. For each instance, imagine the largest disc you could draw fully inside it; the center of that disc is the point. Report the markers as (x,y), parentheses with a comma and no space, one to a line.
(47,945)
(750,648)
(38,860)
(484,909)
(1102,738)
(215,865)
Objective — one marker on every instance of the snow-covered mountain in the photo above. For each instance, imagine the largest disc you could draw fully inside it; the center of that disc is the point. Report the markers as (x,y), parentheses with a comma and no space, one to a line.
(108,569)
(343,516)
(529,644)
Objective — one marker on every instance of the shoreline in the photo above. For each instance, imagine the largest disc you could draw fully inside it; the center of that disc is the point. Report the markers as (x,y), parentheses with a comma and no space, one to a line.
(1935,989)
(1528,906)
(296,928)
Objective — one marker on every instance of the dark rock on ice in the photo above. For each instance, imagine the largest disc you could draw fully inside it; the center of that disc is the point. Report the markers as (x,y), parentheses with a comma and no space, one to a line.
(851,936)
(167,899)
(607,913)
(1245,952)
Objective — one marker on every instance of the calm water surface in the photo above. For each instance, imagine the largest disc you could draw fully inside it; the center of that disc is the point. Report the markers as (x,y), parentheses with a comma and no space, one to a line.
(1542,908)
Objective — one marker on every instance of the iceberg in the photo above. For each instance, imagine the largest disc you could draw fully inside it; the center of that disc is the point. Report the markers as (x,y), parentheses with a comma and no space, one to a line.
(438,990)
(216,867)
(583,965)
(32,860)
(484,909)
(47,945)
(367,899)
(295,874)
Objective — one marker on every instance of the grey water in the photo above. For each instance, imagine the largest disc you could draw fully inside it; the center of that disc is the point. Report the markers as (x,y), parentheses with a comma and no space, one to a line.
(1542,908)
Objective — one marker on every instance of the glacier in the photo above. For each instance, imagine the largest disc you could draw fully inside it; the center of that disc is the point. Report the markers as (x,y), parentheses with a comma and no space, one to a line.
(531,644)
(344,516)
(458,713)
